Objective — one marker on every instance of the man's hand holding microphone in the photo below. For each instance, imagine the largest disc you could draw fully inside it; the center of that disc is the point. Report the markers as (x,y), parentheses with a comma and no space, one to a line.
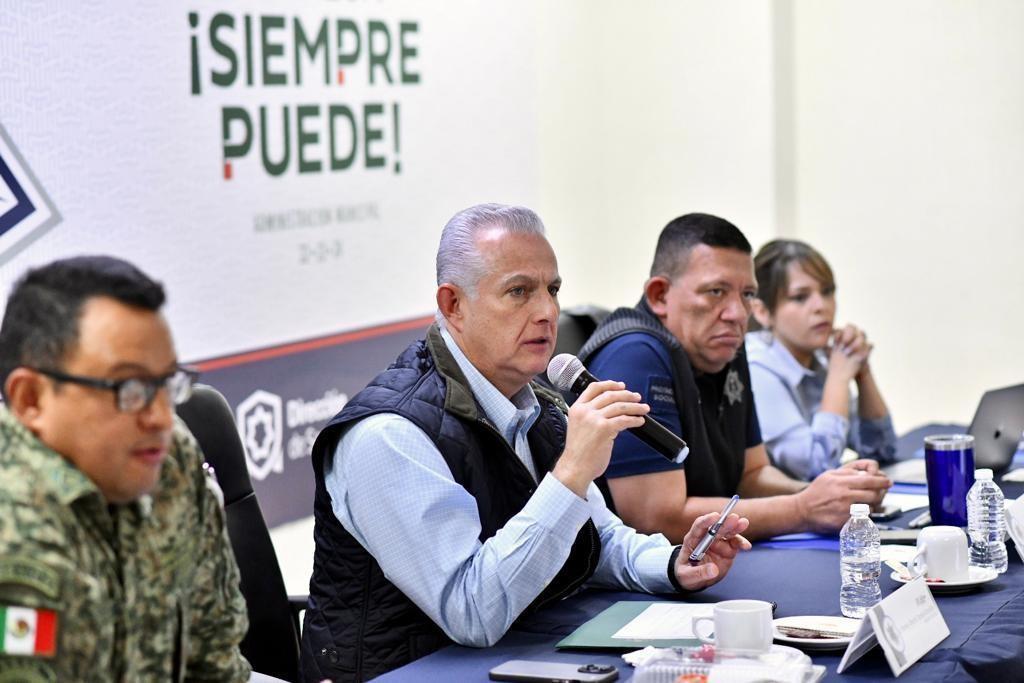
(602,411)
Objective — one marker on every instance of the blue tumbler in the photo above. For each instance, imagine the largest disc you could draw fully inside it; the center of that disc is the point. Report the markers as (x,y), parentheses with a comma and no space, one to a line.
(949,463)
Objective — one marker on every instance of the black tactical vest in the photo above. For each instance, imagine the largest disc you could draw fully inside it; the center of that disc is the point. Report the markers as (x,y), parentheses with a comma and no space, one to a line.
(715,433)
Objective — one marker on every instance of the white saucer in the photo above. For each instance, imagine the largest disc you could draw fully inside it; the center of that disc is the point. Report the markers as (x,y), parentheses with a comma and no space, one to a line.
(978,576)
(817,622)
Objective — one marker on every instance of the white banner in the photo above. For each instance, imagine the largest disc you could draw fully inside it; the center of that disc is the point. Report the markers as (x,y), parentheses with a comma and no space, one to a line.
(284,168)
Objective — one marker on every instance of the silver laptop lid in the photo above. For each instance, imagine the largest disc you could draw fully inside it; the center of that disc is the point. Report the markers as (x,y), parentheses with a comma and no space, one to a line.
(997,427)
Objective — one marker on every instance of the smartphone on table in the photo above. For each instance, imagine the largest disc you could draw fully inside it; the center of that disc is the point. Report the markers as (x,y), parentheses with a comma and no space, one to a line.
(887,513)
(553,672)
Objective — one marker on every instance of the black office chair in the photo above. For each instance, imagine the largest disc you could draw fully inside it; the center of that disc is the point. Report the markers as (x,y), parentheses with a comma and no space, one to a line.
(575,325)
(272,643)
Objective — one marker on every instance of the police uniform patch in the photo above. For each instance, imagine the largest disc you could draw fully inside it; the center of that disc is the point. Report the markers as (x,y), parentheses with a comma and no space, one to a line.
(659,390)
(733,387)
(33,574)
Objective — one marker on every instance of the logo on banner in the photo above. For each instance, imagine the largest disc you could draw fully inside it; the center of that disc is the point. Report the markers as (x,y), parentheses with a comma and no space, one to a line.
(260,421)
(26,212)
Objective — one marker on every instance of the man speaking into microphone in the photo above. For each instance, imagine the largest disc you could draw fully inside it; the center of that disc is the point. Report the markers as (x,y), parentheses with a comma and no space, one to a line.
(452,495)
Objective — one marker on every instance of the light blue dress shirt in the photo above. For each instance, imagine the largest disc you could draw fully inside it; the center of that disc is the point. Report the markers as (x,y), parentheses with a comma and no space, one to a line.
(400,502)
(801,439)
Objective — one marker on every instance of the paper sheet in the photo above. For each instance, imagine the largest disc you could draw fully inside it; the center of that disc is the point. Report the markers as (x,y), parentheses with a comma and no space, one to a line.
(906,501)
(664,621)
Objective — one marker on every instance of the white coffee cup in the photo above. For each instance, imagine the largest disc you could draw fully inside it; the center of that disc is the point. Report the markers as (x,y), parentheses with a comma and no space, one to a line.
(743,625)
(941,554)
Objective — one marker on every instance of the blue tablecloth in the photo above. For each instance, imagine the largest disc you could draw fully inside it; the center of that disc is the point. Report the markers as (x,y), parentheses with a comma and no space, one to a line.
(986,640)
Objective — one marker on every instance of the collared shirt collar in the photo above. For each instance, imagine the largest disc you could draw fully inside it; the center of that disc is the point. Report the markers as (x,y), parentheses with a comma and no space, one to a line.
(509,417)
(779,358)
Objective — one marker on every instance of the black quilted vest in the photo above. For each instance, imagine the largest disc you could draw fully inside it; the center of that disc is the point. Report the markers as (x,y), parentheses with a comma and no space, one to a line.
(717,454)
(360,625)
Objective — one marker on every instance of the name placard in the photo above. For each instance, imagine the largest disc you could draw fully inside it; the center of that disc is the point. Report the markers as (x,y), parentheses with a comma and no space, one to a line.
(907,624)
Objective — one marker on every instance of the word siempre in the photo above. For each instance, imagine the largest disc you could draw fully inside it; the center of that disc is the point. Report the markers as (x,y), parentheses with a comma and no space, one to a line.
(283,57)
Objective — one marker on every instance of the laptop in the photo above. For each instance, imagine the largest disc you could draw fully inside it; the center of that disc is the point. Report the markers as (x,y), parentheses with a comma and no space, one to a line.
(997,428)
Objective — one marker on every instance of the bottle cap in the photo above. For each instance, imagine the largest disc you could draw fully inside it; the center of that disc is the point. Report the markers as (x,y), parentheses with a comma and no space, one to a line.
(859,509)
(984,474)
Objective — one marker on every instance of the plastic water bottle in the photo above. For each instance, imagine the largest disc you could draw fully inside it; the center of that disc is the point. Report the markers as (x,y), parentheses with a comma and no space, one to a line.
(986,522)
(859,553)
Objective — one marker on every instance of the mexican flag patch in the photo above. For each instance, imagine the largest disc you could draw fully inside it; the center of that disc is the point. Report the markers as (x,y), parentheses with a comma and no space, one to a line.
(27,631)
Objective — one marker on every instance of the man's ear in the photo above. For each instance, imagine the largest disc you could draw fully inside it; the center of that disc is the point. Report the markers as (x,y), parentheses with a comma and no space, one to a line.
(25,389)
(656,293)
(761,314)
(451,303)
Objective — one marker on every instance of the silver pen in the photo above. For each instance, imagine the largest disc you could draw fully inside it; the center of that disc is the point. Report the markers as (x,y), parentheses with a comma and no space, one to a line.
(698,553)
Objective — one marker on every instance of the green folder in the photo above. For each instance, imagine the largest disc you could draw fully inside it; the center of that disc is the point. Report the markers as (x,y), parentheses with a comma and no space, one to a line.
(597,633)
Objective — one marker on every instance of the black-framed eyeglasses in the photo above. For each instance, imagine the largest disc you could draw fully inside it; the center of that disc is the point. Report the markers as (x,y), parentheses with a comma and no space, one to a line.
(135,393)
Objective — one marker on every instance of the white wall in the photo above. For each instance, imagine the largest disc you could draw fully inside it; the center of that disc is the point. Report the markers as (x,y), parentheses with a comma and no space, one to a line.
(909,166)
(648,111)
(889,135)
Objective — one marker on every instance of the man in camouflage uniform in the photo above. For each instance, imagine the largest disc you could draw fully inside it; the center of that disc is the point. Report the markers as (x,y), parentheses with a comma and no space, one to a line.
(114,561)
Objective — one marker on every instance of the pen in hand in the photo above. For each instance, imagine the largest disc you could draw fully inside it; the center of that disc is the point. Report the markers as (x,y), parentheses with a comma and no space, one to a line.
(698,553)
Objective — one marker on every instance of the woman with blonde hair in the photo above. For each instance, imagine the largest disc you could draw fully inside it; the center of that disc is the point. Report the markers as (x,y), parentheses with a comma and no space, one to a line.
(802,368)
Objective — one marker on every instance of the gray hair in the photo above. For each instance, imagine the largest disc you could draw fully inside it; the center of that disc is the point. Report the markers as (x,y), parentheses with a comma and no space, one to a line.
(458,259)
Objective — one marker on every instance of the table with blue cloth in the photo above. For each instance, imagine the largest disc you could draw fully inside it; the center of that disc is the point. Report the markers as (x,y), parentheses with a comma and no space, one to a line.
(801,574)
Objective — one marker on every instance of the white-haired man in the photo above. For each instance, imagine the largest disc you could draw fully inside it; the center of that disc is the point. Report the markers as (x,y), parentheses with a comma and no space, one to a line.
(452,495)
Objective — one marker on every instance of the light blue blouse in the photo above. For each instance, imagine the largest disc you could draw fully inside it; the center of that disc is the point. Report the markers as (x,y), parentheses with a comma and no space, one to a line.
(800,438)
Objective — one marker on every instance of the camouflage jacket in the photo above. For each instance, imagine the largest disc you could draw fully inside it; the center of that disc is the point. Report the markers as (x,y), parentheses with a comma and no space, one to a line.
(147,591)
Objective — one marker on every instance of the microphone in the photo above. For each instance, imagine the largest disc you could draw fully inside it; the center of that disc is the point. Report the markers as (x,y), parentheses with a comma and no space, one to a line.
(567,373)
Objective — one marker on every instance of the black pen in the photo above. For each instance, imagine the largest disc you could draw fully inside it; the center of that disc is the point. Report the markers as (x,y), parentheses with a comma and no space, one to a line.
(698,553)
